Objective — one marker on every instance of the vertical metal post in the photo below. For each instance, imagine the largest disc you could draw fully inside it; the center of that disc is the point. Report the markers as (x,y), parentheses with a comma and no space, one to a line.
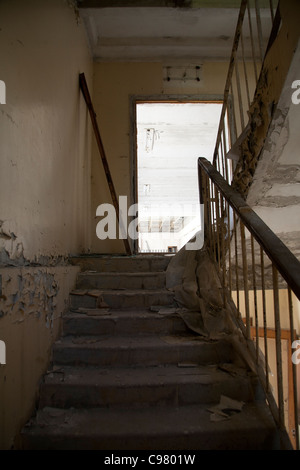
(238,84)
(236,262)
(245,279)
(259,29)
(294,378)
(252,43)
(255,298)
(278,347)
(263,292)
(245,71)
(223,251)
(229,246)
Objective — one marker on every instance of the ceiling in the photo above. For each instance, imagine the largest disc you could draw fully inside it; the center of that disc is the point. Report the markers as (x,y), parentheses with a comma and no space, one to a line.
(200,31)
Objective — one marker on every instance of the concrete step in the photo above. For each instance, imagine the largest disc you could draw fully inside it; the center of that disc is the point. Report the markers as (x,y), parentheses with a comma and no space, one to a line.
(86,387)
(121,322)
(120,299)
(115,280)
(143,350)
(154,428)
(127,376)
(110,263)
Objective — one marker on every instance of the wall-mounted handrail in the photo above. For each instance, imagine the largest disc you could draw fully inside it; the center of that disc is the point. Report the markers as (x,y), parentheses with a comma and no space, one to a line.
(260,274)
(85,91)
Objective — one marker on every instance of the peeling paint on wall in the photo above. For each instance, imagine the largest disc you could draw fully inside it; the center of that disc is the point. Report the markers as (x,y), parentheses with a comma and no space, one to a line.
(260,115)
(267,116)
(12,251)
(30,292)
(32,302)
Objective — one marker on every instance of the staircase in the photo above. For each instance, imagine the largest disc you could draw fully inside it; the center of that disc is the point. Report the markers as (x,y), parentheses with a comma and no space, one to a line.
(128,373)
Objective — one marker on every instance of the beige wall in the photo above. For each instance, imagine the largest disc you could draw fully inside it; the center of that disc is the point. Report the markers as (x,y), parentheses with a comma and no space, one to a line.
(32,304)
(45,148)
(45,170)
(114,84)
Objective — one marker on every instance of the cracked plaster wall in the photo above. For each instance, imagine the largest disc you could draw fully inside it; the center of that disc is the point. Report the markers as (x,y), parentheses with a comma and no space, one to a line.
(32,302)
(45,148)
(268,172)
(265,107)
(275,190)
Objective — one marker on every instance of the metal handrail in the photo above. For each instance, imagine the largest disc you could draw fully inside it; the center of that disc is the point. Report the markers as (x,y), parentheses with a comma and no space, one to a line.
(285,261)
(227,218)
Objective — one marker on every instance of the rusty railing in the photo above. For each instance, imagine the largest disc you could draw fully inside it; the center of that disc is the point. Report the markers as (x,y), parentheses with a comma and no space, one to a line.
(262,277)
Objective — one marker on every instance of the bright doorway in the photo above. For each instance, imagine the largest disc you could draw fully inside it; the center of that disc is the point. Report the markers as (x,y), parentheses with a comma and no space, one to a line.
(170,136)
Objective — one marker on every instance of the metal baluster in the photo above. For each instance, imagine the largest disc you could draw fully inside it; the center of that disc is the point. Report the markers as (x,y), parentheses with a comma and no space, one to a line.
(278,347)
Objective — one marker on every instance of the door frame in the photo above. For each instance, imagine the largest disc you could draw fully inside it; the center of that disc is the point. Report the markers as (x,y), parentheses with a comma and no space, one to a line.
(140,99)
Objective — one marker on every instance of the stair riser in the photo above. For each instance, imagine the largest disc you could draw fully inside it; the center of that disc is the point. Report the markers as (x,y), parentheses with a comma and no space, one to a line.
(122,264)
(87,325)
(168,354)
(121,281)
(124,300)
(89,395)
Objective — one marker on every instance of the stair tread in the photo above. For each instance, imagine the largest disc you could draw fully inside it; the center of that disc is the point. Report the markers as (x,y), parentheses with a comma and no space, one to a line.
(121,291)
(121,273)
(128,376)
(170,385)
(121,298)
(115,313)
(121,280)
(149,427)
(144,341)
(135,263)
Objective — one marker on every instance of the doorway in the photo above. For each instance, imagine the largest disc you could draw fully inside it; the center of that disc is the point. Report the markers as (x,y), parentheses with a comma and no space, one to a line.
(170,137)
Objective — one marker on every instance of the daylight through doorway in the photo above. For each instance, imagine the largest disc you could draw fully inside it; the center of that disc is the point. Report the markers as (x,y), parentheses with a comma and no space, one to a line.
(171,136)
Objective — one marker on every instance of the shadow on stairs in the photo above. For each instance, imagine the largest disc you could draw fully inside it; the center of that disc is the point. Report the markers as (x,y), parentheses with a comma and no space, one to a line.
(128,374)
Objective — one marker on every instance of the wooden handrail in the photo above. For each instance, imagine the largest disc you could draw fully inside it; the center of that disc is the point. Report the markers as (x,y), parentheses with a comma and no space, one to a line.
(87,97)
(284,260)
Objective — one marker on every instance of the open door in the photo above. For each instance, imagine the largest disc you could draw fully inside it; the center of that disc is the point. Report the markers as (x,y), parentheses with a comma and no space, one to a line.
(170,136)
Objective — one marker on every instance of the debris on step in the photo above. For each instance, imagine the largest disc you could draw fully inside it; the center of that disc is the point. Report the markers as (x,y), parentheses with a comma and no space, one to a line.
(187,364)
(173,339)
(79,292)
(193,320)
(96,312)
(81,340)
(167,310)
(232,369)
(55,370)
(225,408)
